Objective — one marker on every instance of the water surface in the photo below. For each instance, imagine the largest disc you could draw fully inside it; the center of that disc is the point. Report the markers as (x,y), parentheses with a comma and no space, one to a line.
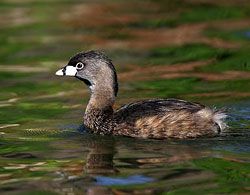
(194,50)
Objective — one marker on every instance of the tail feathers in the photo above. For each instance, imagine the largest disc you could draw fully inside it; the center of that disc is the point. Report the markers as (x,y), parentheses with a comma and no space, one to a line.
(219,118)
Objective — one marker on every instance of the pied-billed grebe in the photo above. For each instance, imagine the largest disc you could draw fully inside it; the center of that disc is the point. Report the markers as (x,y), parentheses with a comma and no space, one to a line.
(156,118)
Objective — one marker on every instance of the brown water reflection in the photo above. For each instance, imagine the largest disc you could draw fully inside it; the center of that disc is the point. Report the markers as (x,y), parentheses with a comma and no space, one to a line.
(116,159)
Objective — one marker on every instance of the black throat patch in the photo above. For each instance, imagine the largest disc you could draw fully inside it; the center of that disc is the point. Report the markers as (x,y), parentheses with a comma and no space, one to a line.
(87,82)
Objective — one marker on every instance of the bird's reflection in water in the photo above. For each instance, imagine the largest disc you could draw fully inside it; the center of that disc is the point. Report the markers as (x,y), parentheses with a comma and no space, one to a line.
(142,161)
(99,160)
(99,190)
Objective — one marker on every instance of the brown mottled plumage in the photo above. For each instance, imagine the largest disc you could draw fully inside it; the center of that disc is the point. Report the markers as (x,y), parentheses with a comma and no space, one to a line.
(165,118)
(157,118)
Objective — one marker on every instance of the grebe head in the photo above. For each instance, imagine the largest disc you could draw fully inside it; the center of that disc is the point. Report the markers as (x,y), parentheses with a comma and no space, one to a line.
(92,67)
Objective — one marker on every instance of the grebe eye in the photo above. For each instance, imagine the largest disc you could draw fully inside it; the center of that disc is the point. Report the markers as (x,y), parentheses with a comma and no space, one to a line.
(79,66)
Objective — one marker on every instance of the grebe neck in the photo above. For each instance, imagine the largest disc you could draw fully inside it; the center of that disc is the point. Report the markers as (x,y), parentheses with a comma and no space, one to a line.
(99,112)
